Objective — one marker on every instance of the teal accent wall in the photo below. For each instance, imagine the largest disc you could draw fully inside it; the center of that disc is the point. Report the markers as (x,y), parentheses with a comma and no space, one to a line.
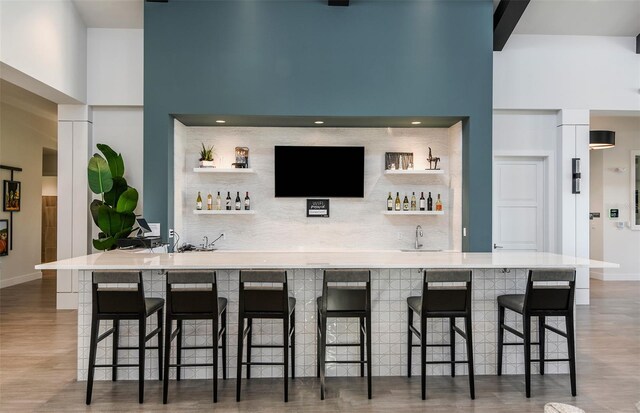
(290,58)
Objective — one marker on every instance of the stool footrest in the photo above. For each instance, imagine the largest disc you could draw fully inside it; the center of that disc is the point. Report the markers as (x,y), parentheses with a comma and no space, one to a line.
(261,363)
(555,330)
(117,365)
(191,365)
(520,344)
(105,334)
(545,360)
(344,345)
(345,361)
(447,362)
(459,331)
(512,330)
(198,348)
(137,348)
(268,345)
(432,345)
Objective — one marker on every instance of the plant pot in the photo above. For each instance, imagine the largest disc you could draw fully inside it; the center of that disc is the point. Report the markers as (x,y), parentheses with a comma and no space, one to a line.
(207,164)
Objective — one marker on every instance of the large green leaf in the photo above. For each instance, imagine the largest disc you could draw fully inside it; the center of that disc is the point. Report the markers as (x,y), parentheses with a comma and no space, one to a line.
(115,161)
(104,244)
(95,204)
(100,179)
(128,219)
(127,201)
(109,221)
(119,186)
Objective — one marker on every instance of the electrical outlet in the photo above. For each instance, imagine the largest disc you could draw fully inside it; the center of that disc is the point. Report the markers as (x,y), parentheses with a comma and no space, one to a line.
(171,232)
(400,236)
(464,232)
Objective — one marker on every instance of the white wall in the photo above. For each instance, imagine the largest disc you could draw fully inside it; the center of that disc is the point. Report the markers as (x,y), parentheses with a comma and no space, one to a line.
(354,223)
(43,48)
(28,124)
(618,245)
(115,61)
(573,72)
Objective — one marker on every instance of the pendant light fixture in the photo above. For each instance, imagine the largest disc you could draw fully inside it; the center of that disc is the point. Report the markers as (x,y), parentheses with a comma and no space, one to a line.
(602,139)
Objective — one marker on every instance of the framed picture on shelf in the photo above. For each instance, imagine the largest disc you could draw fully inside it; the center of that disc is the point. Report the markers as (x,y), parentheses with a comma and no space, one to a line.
(398,160)
(11,197)
(4,237)
(242,157)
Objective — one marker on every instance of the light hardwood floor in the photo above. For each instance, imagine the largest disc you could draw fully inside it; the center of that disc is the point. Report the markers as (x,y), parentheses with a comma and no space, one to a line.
(38,367)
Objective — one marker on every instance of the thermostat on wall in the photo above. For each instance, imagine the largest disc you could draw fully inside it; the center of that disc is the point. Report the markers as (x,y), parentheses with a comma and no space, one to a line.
(614,213)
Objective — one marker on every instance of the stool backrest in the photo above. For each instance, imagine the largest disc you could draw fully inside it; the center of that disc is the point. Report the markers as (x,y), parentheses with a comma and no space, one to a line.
(545,297)
(274,300)
(110,299)
(186,299)
(354,296)
(446,299)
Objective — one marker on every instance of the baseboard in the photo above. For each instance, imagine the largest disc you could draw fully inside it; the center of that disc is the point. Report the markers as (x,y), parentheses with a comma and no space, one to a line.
(8,282)
(620,277)
(596,275)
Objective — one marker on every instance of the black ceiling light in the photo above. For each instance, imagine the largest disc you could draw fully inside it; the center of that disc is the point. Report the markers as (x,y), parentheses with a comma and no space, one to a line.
(602,139)
(338,2)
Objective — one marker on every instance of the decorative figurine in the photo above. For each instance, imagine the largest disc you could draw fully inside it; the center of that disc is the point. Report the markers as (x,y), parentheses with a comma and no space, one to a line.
(433,160)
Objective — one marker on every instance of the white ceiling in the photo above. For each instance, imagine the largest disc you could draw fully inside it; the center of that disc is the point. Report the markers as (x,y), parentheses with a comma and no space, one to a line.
(580,17)
(562,17)
(111,14)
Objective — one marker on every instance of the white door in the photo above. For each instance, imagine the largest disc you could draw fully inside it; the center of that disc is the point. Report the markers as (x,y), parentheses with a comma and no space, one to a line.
(518,204)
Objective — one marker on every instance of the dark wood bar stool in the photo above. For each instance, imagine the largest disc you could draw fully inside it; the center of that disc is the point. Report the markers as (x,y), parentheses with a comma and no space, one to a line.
(201,303)
(345,302)
(541,300)
(117,303)
(442,302)
(266,303)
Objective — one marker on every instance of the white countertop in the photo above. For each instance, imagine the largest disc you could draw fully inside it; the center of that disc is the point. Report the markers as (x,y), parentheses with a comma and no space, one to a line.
(224,259)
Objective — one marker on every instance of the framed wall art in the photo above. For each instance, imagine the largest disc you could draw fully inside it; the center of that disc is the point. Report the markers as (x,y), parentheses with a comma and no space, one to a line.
(4,237)
(11,196)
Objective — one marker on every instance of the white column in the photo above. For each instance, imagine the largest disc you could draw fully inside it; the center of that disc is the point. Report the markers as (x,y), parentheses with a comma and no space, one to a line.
(74,229)
(573,142)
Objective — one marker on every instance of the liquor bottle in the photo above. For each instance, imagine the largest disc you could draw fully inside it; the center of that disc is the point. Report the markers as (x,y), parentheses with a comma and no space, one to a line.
(218,202)
(397,201)
(389,203)
(228,204)
(209,202)
(429,203)
(423,203)
(405,203)
(438,204)
(238,204)
(199,202)
(247,202)
(413,202)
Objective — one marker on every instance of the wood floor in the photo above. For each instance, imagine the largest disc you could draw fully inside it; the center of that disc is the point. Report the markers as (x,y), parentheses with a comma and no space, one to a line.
(38,367)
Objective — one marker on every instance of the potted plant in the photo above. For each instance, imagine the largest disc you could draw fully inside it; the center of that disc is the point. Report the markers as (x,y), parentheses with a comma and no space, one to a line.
(206,157)
(113,213)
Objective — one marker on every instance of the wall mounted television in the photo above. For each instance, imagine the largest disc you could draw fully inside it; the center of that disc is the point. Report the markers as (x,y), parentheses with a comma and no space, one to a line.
(319,171)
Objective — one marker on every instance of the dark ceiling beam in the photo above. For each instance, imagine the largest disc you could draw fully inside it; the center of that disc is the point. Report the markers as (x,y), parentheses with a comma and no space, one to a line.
(638,44)
(338,2)
(505,19)
(157,1)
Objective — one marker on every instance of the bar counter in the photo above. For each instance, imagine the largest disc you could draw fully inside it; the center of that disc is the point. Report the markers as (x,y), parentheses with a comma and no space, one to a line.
(395,276)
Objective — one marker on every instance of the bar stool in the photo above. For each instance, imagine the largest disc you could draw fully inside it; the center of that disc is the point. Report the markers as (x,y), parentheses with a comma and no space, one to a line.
(185,303)
(117,303)
(266,303)
(541,301)
(442,302)
(345,302)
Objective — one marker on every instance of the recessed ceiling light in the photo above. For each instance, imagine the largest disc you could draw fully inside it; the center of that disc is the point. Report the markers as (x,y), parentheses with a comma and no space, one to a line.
(319,122)
(416,122)
(221,121)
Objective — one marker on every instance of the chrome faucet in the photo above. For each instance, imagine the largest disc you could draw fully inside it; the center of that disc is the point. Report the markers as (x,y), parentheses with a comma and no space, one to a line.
(205,243)
(418,234)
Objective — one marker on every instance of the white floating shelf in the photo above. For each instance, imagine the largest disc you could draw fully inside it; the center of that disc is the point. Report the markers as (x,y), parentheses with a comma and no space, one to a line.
(223,212)
(414,172)
(224,170)
(413,212)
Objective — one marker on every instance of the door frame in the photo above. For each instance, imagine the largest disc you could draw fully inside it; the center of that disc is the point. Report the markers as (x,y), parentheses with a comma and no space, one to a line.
(550,188)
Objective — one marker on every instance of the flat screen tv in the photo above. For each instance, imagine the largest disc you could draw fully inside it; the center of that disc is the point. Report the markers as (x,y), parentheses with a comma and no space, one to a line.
(319,171)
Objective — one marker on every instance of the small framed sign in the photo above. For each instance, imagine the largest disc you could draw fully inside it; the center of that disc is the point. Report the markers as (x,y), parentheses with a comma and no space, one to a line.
(317,208)
(614,213)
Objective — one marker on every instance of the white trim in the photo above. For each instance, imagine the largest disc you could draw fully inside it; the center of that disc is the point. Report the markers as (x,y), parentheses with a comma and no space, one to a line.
(615,277)
(632,202)
(8,282)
